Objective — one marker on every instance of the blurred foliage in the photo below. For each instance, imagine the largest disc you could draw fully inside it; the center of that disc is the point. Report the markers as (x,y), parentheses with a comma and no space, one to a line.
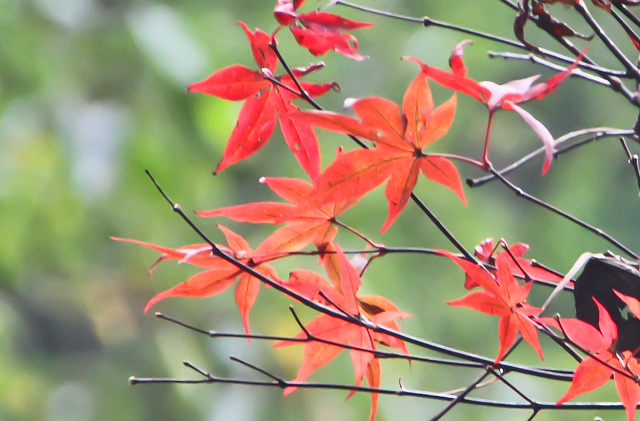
(92,92)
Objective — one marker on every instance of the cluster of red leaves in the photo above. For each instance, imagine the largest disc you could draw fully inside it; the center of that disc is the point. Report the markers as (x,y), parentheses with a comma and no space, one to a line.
(399,134)
(603,361)
(327,335)
(265,99)
(319,32)
(331,335)
(496,97)
(501,296)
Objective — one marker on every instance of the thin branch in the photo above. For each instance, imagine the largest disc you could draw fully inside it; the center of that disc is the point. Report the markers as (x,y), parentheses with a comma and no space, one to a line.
(535,59)
(632,159)
(427,22)
(281,383)
(599,232)
(628,14)
(611,46)
(597,132)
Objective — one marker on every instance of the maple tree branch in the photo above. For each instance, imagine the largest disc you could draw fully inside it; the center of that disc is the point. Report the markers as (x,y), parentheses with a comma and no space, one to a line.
(599,232)
(505,246)
(632,159)
(608,42)
(312,304)
(614,82)
(427,22)
(628,14)
(552,374)
(456,157)
(537,60)
(596,132)
(282,383)
(627,28)
(213,334)
(510,385)
(358,234)
(452,239)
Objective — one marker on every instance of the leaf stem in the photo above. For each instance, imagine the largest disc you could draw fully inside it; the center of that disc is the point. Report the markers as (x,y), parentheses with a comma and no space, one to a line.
(599,232)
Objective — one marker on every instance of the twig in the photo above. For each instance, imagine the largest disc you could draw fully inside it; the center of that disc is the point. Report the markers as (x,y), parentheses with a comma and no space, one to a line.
(281,383)
(632,160)
(535,59)
(599,232)
(611,46)
(598,132)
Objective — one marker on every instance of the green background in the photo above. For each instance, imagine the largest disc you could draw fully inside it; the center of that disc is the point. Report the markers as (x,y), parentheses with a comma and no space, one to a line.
(92,93)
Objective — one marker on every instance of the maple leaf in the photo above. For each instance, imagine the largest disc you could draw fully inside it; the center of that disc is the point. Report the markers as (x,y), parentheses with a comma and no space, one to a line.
(220,273)
(592,373)
(400,134)
(304,224)
(341,292)
(484,252)
(264,101)
(319,32)
(502,296)
(496,97)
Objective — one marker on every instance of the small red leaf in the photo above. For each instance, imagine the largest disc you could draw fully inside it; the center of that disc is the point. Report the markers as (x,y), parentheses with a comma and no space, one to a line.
(456,63)
(438,123)
(335,122)
(330,22)
(399,187)
(203,284)
(233,83)
(353,174)
(590,375)
(319,43)
(255,125)
(442,171)
(263,54)
(301,139)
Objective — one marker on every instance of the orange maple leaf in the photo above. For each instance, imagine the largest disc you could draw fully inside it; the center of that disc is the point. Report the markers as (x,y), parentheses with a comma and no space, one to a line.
(220,273)
(400,135)
(341,293)
(264,100)
(502,296)
(304,224)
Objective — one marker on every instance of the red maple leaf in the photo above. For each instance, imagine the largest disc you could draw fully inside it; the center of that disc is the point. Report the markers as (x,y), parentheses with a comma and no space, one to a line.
(341,292)
(502,296)
(220,274)
(264,101)
(592,372)
(484,252)
(304,224)
(320,32)
(496,97)
(400,135)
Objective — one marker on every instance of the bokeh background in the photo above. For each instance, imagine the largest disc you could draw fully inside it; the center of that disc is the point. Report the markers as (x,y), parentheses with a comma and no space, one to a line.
(92,93)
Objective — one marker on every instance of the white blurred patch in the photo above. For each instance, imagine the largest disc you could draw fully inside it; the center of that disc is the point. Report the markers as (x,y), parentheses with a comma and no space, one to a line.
(70,13)
(163,36)
(70,402)
(95,133)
